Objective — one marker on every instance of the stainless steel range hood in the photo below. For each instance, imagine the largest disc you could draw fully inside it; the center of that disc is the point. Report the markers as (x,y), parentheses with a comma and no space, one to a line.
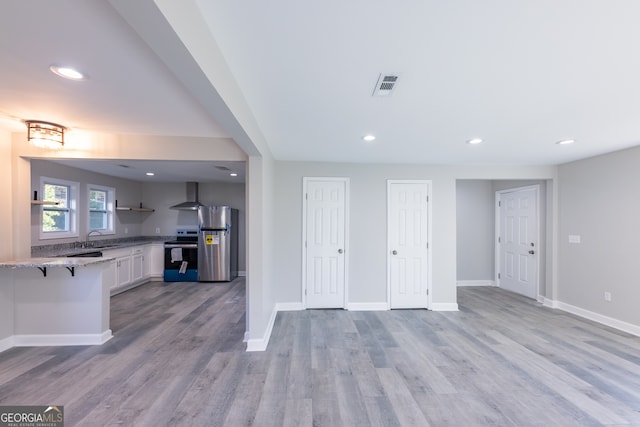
(192,202)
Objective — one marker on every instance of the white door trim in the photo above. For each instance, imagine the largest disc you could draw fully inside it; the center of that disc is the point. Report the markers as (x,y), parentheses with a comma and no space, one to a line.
(390,182)
(305,181)
(498,227)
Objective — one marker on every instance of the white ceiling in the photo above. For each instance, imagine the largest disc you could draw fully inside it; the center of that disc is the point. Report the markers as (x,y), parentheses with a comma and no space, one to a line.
(520,75)
(129,90)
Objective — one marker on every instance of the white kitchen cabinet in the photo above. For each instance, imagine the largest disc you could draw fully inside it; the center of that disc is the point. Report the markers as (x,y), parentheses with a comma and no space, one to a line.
(123,271)
(137,264)
(129,267)
(120,276)
(154,261)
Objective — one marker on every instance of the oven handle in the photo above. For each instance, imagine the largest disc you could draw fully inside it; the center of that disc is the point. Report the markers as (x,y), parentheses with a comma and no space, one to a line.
(182,245)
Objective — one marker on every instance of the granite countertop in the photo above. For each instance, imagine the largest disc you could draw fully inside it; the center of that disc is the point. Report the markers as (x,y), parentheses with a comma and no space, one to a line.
(65,250)
(54,262)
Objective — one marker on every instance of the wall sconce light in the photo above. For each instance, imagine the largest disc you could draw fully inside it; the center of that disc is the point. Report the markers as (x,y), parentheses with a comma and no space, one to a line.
(45,134)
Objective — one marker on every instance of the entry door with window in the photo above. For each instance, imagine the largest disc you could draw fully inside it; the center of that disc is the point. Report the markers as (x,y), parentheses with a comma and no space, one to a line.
(408,244)
(325,225)
(518,241)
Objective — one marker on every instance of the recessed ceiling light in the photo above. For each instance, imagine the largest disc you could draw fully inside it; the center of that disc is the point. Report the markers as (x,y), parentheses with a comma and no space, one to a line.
(150,174)
(474,141)
(566,142)
(233,174)
(369,138)
(67,73)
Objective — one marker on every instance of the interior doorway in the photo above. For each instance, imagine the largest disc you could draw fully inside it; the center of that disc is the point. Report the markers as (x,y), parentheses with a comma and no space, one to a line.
(477,233)
(518,237)
(325,224)
(408,236)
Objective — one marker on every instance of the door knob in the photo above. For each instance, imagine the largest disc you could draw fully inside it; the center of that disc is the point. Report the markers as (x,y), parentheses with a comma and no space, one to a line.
(394,252)
(532,252)
(340,251)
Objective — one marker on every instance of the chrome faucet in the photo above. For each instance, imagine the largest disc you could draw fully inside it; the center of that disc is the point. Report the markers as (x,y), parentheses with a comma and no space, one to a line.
(87,243)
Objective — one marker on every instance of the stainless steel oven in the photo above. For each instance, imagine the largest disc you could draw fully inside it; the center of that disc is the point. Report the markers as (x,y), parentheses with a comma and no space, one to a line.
(181,257)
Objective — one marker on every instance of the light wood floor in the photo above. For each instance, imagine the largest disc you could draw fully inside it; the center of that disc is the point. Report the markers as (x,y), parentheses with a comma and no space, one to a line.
(177,358)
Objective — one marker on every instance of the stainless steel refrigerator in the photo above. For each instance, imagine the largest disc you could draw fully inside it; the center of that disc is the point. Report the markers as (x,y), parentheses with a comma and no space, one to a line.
(217,244)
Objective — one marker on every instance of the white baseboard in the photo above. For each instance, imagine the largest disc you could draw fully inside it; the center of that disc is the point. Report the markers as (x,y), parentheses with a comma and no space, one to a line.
(260,344)
(444,306)
(7,343)
(61,339)
(289,306)
(596,317)
(367,306)
(547,302)
(476,283)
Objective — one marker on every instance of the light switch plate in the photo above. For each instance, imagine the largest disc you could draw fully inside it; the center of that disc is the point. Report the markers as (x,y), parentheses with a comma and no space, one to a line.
(574,238)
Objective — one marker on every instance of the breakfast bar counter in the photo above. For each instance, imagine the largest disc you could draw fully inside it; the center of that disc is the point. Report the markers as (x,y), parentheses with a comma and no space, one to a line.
(54,301)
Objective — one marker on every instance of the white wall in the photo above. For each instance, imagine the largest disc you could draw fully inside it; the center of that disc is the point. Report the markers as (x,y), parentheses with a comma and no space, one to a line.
(599,202)
(164,221)
(367,254)
(475,233)
(6,230)
(261,211)
(127,193)
(161,196)
(6,237)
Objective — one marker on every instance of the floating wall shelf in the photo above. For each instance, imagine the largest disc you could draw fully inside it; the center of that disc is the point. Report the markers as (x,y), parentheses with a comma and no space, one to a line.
(133,209)
(35,200)
(43,202)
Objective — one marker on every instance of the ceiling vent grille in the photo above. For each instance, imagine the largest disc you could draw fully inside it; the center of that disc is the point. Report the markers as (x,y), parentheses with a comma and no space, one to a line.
(385,85)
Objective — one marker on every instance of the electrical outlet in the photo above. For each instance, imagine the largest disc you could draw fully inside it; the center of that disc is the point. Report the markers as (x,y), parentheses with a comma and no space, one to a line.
(157,230)
(126,230)
(607,296)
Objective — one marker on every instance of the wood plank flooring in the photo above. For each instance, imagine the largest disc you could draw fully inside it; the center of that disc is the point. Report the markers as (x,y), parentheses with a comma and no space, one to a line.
(177,359)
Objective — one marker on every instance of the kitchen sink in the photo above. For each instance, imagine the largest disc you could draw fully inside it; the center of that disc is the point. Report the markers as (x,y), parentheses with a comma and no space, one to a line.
(92,254)
(104,246)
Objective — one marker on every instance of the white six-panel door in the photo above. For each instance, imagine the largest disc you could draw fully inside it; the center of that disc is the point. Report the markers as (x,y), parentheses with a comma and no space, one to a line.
(325,221)
(518,241)
(408,244)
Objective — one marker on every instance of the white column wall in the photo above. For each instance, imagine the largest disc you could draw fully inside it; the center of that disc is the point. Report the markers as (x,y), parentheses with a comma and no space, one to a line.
(6,215)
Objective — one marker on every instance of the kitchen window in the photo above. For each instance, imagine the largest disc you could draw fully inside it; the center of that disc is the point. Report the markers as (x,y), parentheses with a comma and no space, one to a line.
(101,205)
(59,220)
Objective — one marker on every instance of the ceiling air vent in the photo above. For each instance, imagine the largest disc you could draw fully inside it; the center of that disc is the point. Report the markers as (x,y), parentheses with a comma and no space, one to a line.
(386,84)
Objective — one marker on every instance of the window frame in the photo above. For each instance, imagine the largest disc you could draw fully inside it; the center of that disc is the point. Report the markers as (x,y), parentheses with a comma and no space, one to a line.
(109,208)
(71,209)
